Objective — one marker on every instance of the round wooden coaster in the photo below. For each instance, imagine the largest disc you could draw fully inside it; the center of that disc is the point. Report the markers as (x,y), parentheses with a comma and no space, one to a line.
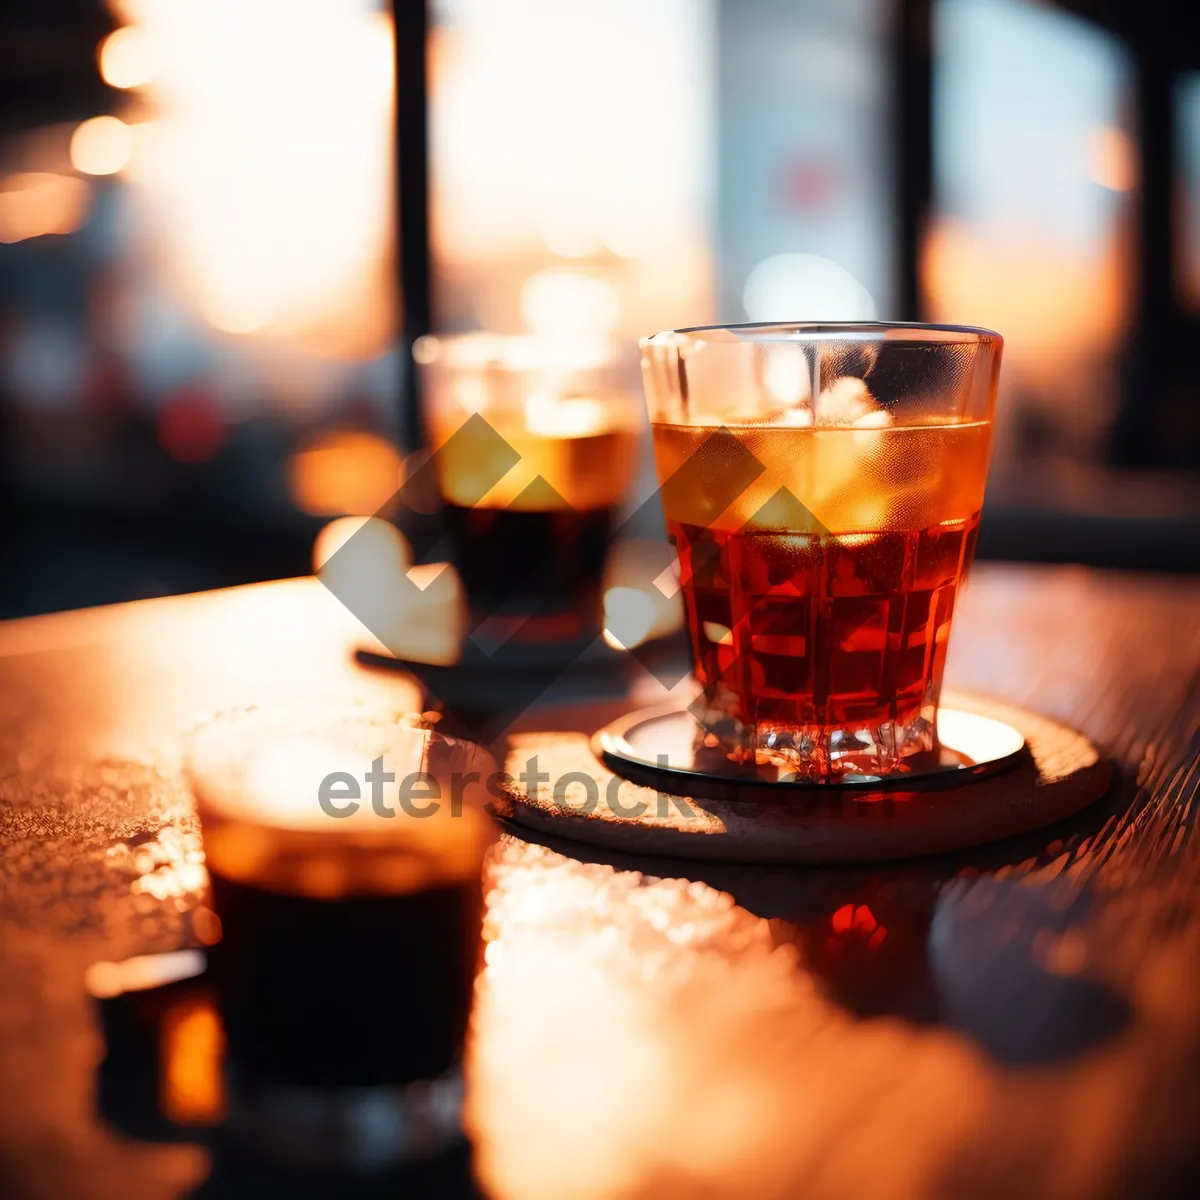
(560,787)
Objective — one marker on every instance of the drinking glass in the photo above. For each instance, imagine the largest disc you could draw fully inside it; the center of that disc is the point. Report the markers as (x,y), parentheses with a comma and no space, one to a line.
(822,484)
(535,444)
(344,850)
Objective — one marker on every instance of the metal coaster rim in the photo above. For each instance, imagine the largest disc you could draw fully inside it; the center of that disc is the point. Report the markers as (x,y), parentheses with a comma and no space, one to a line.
(610,746)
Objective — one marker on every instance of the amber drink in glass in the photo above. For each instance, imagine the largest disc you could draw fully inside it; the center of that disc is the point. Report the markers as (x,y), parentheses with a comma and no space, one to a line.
(535,443)
(822,485)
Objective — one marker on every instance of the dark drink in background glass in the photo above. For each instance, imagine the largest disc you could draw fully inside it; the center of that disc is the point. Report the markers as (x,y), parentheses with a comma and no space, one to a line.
(558,436)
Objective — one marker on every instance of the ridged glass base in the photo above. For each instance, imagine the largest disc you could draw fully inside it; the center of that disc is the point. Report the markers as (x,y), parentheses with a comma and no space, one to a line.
(816,752)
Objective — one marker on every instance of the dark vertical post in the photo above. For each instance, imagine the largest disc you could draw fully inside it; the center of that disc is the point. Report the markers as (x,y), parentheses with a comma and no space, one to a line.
(1148,369)
(912,146)
(412,197)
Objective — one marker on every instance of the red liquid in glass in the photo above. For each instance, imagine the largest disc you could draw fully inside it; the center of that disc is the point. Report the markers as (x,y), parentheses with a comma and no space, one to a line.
(819,616)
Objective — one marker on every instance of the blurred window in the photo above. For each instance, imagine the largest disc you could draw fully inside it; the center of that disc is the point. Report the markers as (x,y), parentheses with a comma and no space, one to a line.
(1034,174)
(804,206)
(572,164)
(1187,110)
(198,355)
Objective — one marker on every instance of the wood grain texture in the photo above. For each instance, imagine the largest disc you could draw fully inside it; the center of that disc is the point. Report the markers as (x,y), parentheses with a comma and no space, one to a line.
(1027,1023)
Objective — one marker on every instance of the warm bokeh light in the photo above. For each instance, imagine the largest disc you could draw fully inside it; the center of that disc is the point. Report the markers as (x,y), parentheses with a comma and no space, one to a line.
(629,615)
(101,146)
(35,203)
(266,175)
(1048,301)
(541,158)
(386,544)
(343,472)
(552,416)
(805,287)
(564,237)
(1033,234)
(642,599)
(1112,162)
(191,1083)
(128,58)
(1063,310)
(570,303)
(104,980)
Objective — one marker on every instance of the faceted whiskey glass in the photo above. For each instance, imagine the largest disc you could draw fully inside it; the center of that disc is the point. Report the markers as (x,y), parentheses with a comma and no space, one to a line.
(822,484)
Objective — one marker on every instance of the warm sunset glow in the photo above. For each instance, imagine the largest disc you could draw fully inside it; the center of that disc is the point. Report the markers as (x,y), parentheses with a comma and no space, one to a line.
(128,58)
(564,237)
(1111,159)
(551,416)
(267,172)
(542,159)
(101,146)
(343,472)
(1047,300)
(570,303)
(35,203)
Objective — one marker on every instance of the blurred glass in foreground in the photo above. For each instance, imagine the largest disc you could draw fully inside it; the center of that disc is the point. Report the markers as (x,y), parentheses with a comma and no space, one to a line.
(344,850)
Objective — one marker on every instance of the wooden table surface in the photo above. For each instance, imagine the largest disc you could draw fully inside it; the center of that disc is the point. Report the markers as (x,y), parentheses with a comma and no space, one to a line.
(1028,1024)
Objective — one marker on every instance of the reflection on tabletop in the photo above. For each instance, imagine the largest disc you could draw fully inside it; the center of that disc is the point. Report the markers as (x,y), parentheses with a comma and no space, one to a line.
(735,1031)
(1018,1020)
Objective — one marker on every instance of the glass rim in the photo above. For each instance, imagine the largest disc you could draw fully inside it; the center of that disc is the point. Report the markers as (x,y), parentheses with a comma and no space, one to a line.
(818,331)
(220,749)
